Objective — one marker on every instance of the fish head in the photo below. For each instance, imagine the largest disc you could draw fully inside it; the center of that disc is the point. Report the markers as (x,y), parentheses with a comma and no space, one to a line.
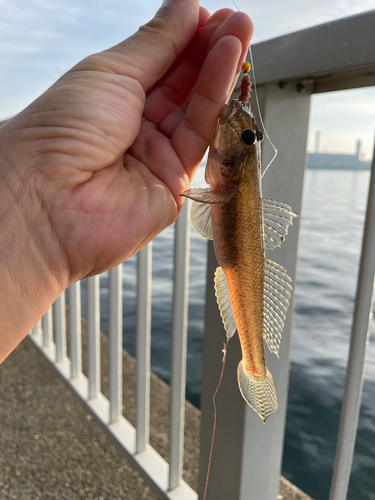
(234,147)
(237,133)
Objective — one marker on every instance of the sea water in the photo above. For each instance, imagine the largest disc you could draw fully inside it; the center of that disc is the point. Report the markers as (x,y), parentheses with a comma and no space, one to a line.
(333,212)
(334,208)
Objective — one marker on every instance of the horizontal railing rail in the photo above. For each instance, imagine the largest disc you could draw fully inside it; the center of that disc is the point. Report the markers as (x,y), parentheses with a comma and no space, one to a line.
(333,56)
(289,69)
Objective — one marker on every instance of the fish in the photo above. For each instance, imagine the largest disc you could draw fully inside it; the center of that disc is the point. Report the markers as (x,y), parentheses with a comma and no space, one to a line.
(252,291)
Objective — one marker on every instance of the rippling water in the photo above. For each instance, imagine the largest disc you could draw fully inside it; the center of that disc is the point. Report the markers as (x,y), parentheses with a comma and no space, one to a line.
(330,240)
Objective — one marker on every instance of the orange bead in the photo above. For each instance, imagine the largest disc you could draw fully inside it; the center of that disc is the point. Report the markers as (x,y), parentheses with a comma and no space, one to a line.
(246,67)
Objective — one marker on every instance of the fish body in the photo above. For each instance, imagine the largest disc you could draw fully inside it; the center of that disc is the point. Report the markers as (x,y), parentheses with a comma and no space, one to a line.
(252,292)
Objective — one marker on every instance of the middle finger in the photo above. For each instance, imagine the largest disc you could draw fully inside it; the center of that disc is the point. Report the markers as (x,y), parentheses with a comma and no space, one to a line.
(173,90)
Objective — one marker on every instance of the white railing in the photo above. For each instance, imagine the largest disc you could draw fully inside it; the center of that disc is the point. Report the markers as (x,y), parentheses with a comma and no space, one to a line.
(248,455)
(165,480)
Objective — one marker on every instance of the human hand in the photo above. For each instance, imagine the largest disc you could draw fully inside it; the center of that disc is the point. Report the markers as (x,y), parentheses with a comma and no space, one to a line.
(95,166)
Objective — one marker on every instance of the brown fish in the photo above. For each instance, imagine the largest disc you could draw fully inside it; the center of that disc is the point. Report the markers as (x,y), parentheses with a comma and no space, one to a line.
(252,292)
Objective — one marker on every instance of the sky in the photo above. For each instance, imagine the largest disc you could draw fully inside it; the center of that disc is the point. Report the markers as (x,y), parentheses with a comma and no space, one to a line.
(41,39)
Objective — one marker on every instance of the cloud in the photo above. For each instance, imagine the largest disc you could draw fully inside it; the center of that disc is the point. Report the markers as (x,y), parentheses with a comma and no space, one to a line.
(342,121)
(23,48)
(45,34)
(272,18)
(40,40)
(342,118)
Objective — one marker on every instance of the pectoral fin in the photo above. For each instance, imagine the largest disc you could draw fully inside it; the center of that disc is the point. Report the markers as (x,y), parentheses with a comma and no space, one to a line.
(224,178)
(200,216)
(223,173)
(207,195)
(277,217)
(277,292)
(223,300)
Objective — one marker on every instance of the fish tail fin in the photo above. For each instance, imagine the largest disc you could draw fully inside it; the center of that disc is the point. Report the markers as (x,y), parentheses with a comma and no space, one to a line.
(259,394)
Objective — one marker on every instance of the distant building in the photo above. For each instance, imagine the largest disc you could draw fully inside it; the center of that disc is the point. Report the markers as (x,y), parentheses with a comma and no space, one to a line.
(336,161)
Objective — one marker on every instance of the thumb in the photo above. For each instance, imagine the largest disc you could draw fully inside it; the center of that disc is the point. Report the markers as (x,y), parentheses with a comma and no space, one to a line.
(148,53)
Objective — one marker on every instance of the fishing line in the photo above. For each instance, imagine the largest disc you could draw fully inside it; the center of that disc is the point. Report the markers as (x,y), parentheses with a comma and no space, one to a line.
(260,115)
(257,103)
(214,427)
(226,344)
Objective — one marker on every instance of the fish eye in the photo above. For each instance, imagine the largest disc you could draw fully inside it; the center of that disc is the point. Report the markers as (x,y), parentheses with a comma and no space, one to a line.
(248,137)
(259,135)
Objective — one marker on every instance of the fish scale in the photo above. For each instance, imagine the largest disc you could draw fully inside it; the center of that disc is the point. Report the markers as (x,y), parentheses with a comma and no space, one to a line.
(245,276)
(252,292)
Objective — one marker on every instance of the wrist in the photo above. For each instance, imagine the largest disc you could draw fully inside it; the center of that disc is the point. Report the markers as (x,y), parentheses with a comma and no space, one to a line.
(31,279)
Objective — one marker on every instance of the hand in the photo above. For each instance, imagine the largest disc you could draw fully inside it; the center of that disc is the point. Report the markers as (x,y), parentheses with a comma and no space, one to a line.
(93,169)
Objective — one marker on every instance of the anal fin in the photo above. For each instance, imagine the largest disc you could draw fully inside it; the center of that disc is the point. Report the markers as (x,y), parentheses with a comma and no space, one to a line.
(223,300)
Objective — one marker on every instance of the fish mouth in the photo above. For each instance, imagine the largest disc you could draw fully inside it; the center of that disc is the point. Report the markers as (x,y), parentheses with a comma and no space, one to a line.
(230,110)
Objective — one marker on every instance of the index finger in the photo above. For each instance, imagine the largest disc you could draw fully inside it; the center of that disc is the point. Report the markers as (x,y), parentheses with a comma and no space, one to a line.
(193,134)
(214,86)
(175,88)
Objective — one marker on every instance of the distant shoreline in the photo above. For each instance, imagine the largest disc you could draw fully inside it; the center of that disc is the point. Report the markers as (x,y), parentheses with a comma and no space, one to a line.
(357,169)
(329,161)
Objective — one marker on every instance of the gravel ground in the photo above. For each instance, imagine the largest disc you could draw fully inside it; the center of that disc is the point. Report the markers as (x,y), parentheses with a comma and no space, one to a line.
(51,449)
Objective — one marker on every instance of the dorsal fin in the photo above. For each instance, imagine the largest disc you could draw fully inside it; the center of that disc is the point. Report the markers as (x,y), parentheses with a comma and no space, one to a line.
(277,292)
(277,217)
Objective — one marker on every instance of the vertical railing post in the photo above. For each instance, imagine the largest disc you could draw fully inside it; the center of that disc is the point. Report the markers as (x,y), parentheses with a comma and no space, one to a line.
(75,329)
(143,346)
(246,451)
(37,328)
(47,328)
(93,332)
(179,343)
(60,328)
(115,343)
(358,344)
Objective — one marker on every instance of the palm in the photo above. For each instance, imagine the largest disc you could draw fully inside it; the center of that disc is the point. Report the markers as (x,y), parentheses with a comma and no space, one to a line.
(115,201)
(129,146)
